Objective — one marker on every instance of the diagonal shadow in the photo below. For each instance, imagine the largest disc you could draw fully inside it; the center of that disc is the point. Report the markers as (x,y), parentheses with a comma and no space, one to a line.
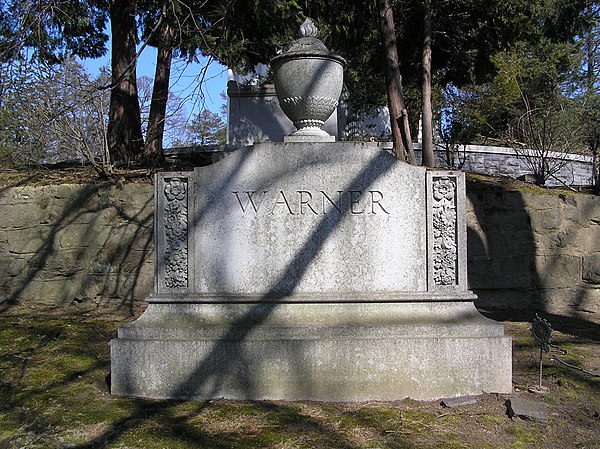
(212,367)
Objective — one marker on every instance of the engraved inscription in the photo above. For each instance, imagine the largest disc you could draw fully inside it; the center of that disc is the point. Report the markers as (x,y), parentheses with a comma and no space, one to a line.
(250,200)
(445,261)
(281,201)
(306,202)
(176,233)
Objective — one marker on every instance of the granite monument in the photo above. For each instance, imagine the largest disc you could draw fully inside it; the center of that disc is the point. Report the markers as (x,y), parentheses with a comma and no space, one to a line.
(310,270)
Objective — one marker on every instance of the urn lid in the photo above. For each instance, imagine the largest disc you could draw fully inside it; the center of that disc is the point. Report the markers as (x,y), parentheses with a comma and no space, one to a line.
(308,45)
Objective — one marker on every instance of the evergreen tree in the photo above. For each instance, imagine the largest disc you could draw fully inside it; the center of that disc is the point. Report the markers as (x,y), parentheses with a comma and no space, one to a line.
(207,128)
(125,139)
(50,31)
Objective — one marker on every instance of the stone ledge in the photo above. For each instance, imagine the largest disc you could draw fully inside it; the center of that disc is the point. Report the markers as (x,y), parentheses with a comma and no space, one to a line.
(310,321)
(354,369)
(338,297)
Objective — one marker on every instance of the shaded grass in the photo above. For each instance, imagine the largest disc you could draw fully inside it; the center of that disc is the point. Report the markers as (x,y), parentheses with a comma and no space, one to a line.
(53,394)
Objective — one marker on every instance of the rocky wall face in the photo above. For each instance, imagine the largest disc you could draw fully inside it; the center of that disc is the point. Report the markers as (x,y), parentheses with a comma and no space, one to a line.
(71,243)
(532,251)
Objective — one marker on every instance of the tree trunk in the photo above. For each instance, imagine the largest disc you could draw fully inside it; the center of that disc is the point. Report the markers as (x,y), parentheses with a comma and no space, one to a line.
(124,125)
(153,151)
(593,145)
(427,127)
(403,149)
(591,48)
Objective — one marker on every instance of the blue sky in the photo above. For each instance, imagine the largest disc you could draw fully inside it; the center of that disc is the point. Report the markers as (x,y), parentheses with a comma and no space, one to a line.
(184,79)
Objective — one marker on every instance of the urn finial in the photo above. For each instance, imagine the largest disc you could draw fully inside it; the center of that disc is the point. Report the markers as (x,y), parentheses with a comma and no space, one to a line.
(308,29)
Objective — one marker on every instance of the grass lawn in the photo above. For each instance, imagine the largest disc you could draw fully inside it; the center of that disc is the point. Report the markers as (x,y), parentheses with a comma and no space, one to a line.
(54,394)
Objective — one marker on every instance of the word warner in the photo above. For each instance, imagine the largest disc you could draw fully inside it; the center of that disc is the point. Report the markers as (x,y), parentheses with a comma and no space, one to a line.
(301,202)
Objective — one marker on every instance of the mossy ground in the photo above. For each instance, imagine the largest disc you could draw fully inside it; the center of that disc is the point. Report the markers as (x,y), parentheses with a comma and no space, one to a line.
(54,394)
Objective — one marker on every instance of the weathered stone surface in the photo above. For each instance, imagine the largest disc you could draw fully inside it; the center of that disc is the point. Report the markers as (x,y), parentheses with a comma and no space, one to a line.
(588,301)
(48,291)
(574,240)
(312,222)
(16,267)
(323,369)
(545,266)
(310,351)
(583,210)
(459,401)
(591,269)
(493,272)
(16,216)
(571,301)
(27,241)
(543,218)
(175,321)
(526,409)
(560,270)
(54,239)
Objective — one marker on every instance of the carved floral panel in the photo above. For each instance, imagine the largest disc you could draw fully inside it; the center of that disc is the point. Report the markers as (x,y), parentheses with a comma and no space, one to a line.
(445,246)
(175,221)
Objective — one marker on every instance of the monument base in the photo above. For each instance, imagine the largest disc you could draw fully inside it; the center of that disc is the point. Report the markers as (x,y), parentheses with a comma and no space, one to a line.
(307,138)
(303,351)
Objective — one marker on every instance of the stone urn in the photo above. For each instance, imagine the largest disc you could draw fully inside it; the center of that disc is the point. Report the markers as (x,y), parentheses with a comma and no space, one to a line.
(308,81)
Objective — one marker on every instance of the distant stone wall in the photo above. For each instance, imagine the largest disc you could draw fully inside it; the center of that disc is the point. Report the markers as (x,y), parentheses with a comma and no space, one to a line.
(94,244)
(572,169)
(69,243)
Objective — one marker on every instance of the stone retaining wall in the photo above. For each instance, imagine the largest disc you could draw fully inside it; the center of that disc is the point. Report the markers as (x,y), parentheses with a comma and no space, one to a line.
(93,244)
(531,251)
(69,243)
